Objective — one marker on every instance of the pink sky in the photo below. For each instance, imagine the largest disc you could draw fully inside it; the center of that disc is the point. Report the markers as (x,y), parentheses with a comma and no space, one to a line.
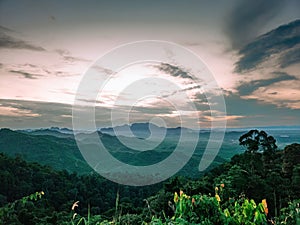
(46,47)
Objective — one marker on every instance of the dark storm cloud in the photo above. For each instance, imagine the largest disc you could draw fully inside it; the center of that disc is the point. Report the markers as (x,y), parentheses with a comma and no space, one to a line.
(7,41)
(284,38)
(247,88)
(247,17)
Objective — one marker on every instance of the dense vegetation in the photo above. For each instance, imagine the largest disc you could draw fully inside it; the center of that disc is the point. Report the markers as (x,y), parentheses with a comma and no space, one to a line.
(259,185)
(59,150)
(19,178)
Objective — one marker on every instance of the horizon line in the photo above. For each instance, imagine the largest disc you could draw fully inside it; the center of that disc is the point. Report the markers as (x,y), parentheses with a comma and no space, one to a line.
(204,128)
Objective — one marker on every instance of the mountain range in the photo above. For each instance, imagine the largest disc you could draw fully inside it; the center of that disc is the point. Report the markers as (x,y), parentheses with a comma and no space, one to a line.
(57,147)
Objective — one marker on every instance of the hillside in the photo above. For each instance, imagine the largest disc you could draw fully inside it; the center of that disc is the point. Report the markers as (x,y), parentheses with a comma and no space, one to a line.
(57,147)
(20,178)
(257,176)
(60,153)
(59,150)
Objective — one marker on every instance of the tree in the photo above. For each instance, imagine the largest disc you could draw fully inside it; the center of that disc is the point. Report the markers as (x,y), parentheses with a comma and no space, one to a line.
(256,140)
(291,158)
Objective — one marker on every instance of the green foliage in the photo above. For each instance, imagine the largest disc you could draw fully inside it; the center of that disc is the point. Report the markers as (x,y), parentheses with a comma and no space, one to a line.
(256,176)
(254,140)
(35,196)
(60,151)
(275,177)
(291,158)
(118,219)
(57,152)
(19,178)
(291,214)
(15,211)
(209,210)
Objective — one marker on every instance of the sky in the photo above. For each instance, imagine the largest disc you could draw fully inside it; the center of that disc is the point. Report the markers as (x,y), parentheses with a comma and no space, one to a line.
(252,49)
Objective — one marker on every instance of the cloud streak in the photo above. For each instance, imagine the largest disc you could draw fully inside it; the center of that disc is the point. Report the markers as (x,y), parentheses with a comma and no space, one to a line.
(25,74)
(23,113)
(285,94)
(282,43)
(67,57)
(174,71)
(247,88)
(31,71)
(269,67)
(290,58)
(10,42)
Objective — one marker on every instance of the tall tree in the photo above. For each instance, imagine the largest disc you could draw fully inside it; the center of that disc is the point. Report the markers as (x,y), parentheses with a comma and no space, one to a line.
(256,140)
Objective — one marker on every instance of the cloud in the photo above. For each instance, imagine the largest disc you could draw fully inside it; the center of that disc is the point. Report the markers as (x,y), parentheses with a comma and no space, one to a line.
(247,18)
(246,88)
(290,58)
(284,94)
(52,18)
(25,74)
(27,70)
(7,41)
(191,88)
(12,111)
(174,71)
(103,70)
(67,57)
(258,112)
(269,67)
(223,118)
(62,52)
(282,43)
(31,71)
(33,114)
(5,29)
(37,107)
(240,112)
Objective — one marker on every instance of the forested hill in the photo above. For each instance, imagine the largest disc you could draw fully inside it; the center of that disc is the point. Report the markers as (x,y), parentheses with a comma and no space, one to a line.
(59,150)
(60,153)
(254,175)
(20,178)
